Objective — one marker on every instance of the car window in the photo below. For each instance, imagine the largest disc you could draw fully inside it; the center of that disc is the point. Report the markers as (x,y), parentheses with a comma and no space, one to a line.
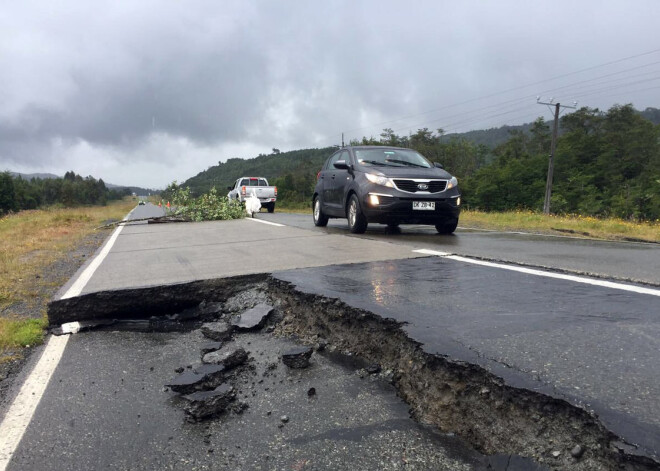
(332,160)
(245,182)
(262,182)
(391,158)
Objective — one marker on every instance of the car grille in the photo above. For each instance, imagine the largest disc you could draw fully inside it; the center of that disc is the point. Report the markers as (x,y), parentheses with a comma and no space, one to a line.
(411,186)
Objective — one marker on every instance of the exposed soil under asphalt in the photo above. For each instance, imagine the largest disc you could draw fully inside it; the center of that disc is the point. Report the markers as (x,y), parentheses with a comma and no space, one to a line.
(450,396)
(45,285)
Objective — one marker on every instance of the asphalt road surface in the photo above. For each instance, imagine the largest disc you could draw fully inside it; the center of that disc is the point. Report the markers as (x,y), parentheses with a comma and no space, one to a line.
(596,346)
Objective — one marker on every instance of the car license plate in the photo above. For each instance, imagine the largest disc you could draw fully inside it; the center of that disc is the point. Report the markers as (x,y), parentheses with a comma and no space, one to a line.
(424,205)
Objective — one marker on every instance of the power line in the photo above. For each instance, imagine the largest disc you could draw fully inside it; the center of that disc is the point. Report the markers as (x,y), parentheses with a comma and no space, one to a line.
(510,89)
(521,88)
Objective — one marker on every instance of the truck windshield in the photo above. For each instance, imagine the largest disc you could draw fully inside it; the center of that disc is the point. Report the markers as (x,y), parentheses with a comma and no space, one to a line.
(254,182)
(391,158)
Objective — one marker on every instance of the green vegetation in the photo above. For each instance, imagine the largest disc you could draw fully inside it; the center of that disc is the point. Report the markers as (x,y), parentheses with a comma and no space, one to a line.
(30,242)
(293,173)
(17,194)
(15,333)
(578,226)
(207,207)
(607,164)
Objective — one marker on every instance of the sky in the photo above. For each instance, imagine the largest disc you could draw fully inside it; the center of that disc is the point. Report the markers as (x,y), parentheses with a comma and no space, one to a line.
(142,92)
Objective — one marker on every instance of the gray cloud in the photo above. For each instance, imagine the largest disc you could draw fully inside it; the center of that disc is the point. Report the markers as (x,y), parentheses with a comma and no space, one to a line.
(115,87)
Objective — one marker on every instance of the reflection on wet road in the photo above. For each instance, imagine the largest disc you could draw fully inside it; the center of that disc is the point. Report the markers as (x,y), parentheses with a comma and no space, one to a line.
(616,260)
(594,345)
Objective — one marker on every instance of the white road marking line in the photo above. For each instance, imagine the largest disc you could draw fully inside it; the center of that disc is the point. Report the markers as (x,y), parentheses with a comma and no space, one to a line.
(20,413)
(548,274)
(432,252)
(265,222)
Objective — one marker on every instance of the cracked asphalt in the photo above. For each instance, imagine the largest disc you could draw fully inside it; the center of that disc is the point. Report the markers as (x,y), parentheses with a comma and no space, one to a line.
(595,346)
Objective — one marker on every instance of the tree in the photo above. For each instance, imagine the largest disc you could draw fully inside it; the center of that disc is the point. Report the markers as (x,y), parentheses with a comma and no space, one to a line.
(7,197)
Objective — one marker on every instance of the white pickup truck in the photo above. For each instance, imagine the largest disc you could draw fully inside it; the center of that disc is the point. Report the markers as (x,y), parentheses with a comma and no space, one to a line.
(245,186)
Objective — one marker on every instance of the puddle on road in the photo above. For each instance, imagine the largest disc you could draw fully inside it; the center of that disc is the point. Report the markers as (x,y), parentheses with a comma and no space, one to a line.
(518,428)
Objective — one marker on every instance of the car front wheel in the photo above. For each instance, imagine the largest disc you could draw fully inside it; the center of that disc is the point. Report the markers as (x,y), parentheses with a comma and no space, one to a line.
(320,219)
(447,227)
(357,223)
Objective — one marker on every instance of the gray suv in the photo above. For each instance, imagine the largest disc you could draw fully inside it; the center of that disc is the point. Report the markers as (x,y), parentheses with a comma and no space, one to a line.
(385,185)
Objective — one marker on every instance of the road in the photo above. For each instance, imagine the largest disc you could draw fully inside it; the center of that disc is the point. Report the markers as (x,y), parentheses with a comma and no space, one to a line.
(593,345)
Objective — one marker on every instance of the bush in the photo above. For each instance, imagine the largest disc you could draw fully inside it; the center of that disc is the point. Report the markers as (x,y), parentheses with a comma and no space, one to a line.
(208,207)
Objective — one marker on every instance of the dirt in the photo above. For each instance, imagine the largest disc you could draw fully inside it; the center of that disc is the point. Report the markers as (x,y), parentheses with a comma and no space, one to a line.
(459,397)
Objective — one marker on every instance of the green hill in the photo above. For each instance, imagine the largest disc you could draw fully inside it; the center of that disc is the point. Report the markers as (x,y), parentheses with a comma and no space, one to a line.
(295,165)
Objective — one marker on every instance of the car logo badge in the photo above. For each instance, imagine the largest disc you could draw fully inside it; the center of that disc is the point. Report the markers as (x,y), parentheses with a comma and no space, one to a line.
(422,186)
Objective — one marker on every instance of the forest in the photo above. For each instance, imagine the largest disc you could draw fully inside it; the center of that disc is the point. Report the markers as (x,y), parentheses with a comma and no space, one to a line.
(17,193)
(607,163)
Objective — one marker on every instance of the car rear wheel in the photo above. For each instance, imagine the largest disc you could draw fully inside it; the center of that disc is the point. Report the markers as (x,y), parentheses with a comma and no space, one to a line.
(320,219)
(271,208)
(447,227)
(357,223)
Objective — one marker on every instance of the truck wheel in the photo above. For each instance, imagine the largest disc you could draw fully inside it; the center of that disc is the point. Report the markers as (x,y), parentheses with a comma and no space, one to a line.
(320,219)
(447,227)
(271,208)
(357,223)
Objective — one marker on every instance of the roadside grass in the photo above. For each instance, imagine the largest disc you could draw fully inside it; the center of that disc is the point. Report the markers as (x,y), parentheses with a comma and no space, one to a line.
(17,333)
(30,242)
(529,221)
(575,225)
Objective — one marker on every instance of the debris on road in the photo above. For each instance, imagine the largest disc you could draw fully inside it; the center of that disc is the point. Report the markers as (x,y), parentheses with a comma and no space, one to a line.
(205,404)
(219,331)
(253,318)
(210,347)
(297,357)
(230,358)
(454,396)
(202,377)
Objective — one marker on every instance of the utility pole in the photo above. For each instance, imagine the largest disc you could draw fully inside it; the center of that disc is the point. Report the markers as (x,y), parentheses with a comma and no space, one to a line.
(553,145)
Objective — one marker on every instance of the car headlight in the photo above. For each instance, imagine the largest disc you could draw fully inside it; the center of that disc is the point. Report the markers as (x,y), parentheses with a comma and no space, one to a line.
(379,180)
(452,183)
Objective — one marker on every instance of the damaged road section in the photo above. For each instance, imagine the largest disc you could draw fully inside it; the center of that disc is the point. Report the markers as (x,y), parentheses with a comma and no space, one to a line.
(494,414)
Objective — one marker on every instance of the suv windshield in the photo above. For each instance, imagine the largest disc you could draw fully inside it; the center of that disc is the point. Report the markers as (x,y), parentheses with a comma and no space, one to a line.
(391,158)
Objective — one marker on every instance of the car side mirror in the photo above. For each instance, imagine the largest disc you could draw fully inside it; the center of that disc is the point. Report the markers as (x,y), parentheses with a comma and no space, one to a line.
(341,165)
(230,188)
(437,165)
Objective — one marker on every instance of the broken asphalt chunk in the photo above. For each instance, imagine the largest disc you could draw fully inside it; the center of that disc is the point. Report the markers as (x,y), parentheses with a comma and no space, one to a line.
(197,378)
(230,358)
(297,357)
(210,347)
(75,327)
(204,404)
(253,318)
(217,330)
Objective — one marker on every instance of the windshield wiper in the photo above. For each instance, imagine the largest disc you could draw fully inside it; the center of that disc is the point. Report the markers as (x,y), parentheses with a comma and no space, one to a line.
(404,162)
(375,162)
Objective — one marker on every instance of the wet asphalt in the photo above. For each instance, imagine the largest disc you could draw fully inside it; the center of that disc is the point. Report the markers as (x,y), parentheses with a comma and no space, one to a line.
(634,261)
(596,347)
(107,410)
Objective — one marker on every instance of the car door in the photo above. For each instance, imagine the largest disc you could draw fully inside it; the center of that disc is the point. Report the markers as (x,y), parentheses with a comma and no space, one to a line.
(338,178)
(325,181)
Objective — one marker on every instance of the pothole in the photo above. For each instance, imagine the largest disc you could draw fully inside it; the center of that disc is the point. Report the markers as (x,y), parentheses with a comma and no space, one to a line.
(455,398)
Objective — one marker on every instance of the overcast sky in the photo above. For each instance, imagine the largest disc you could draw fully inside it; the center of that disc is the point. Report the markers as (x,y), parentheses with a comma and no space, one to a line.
(146,92)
